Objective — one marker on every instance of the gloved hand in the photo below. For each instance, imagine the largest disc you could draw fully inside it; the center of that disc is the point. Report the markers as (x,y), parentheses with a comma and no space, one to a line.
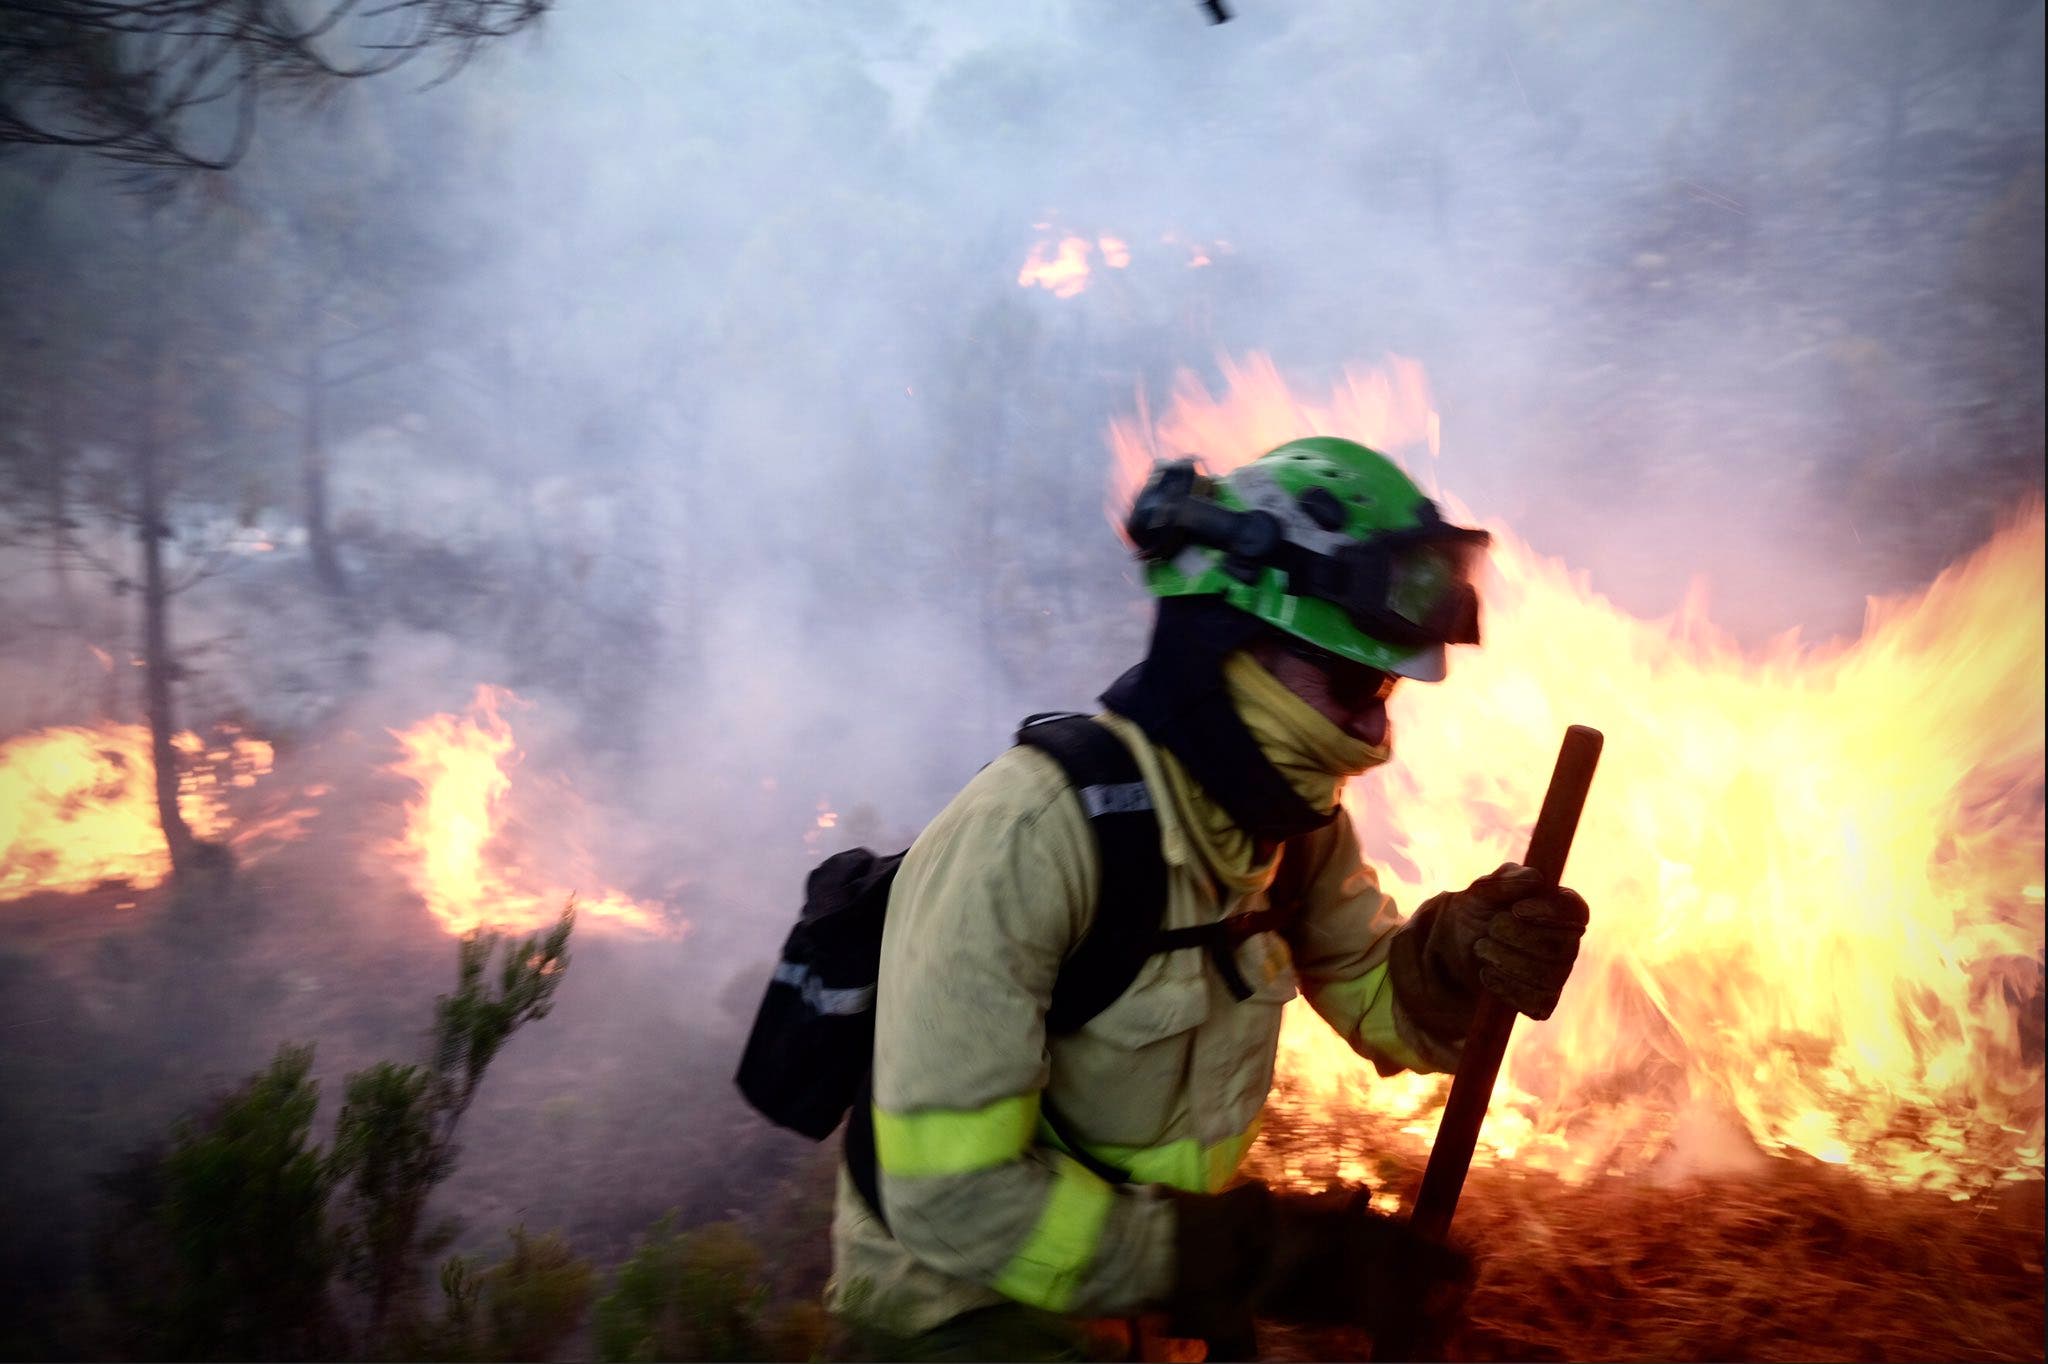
(1317,1259)
(1507,932)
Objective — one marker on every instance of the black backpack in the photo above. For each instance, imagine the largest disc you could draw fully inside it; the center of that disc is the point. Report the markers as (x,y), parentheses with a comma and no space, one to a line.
(808,1058)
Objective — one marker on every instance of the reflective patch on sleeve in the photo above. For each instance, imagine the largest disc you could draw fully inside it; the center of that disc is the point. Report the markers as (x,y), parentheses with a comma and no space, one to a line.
(1186,1164)
(1048,1271)
(946,1141)
(1362,1010)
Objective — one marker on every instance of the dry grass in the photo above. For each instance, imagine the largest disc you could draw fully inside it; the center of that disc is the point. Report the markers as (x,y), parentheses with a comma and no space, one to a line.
(1800,1262)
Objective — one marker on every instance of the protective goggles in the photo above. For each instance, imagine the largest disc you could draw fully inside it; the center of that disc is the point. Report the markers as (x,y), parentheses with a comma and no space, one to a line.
(1409,588)
(1354,686)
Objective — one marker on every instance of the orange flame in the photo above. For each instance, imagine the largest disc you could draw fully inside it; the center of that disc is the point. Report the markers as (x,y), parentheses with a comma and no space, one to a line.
(1816,873)
(78,805)
(467,857)
(1389,409)
(824,829)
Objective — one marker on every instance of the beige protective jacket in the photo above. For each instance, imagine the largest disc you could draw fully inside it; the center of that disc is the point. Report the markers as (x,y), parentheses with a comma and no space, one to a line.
(1168,1082)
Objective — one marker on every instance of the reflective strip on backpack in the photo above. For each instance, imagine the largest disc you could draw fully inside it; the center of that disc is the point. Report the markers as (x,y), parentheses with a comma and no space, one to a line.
(1120,798)
(821,998)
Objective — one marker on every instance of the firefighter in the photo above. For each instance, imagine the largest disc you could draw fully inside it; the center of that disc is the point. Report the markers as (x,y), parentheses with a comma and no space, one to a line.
(1028,1180)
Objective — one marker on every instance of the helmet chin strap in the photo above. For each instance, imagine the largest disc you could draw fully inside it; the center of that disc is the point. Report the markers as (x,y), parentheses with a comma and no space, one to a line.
(1177,697)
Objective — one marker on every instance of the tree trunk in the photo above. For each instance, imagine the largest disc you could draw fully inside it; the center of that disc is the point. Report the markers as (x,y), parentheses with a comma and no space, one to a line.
(57,491)
(158,666)
(327,571)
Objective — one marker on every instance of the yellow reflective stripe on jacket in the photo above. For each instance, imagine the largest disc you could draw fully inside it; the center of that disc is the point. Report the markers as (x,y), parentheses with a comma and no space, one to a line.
(940,1141)
(1362,1010)
(1048,1269)
(1186,1164)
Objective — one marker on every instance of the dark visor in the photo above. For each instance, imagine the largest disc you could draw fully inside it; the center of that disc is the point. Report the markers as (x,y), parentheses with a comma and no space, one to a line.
(1409,588)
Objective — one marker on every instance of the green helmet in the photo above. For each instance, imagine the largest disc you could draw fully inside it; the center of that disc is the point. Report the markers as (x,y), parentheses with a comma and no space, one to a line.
(1323,539)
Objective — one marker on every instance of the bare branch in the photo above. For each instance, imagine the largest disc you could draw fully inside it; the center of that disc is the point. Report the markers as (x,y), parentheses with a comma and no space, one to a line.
(130,81)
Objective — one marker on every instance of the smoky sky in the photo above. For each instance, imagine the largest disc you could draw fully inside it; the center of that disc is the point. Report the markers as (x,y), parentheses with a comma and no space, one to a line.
(763,259)
(773,479)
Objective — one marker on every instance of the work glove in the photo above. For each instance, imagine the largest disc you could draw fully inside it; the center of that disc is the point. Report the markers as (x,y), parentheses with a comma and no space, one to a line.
(1324,1259)
(1507,933)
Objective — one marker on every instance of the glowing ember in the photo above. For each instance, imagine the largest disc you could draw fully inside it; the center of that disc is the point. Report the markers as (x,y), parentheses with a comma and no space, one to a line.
(1061,265)
(1198,253)
(1062,269)
(1816,873)
(466,856)
(824,829)
(78,806)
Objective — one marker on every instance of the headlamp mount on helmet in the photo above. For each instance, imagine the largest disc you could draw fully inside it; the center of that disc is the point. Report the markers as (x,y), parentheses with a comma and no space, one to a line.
(1177,508)
(1409,587)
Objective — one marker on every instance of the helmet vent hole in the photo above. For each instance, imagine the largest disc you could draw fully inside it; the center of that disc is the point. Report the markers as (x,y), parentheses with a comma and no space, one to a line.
(1322,507)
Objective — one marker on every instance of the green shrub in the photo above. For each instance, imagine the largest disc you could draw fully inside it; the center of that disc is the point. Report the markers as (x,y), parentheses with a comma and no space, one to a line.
(218,1247)
(523,1307)
(385,1149)
(395,1140)
(245,1202)
(228,1243)
(699,1295)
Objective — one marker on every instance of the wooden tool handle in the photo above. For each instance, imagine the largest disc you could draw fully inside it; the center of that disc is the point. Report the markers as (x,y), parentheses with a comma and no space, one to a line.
(1456,1135)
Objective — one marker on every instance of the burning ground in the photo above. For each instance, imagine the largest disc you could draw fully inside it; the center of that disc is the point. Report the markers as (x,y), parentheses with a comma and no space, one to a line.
(1790,1107)
(1794,1261)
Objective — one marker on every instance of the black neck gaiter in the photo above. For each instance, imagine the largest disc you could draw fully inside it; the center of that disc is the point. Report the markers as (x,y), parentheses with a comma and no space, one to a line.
(1177,697)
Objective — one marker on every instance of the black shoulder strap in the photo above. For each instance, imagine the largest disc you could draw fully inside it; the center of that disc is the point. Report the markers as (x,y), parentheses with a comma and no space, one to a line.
(1132,898)
(1220,938)
(1128,908)
(861,1165)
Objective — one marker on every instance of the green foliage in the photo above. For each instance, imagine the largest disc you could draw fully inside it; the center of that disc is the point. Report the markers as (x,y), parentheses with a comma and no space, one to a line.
(395,1140)
(227,1245)
(471,1025)
(386,1150)
(523,1307)
(699,1294)
(241,1204)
